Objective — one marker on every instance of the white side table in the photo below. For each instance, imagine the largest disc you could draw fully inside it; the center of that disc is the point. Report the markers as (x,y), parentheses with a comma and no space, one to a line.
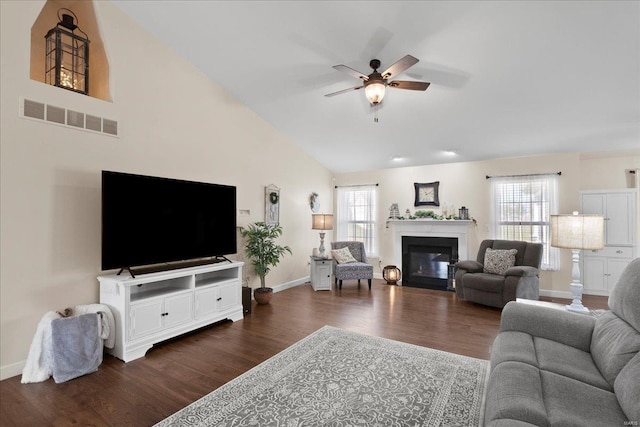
(321,269)
(555,306)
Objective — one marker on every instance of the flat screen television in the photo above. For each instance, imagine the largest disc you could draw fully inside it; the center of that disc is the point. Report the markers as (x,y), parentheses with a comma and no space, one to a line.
(151,220)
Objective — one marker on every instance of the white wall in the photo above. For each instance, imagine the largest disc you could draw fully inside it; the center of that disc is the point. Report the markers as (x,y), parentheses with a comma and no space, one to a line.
(174,123)
(465,184)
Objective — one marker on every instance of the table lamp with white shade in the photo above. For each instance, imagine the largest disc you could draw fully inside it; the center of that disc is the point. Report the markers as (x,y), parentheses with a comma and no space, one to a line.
(322,222)
(577,232)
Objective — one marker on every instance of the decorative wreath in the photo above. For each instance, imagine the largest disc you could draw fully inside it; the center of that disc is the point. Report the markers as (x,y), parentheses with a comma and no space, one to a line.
(313,198)
(273,197)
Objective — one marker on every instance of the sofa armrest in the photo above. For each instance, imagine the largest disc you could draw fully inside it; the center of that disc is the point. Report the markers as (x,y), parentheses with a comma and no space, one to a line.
(470,266)
(544,322)
(522,271)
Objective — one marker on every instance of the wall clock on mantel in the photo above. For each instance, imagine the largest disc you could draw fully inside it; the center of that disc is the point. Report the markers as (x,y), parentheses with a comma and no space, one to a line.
(426,193)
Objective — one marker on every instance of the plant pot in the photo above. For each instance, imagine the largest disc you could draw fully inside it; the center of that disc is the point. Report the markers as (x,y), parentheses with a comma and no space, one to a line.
(263,295)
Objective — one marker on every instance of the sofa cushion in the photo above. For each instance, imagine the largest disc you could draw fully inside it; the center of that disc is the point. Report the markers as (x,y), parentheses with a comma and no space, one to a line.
(354,270)
(624,297)
(342,255)
(627,388)
(484,282)
(545,322)
(573,403)
(613,345)
(515,347)
(514,391)
(499,261)
(547,355)
(569,361)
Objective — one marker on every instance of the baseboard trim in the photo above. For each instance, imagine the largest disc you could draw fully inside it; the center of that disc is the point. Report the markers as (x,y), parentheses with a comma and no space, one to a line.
(597,293)
(8,371)
(555,294)
(291,284)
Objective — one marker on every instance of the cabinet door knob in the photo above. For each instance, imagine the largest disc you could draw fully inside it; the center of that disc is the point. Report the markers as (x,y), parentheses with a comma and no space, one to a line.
(618,251)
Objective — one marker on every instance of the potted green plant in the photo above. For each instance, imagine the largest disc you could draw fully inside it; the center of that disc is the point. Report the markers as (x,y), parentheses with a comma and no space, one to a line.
(264,252)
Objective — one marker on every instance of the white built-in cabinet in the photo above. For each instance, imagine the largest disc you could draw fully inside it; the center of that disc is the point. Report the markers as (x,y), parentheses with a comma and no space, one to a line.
(601,269)
(155,307)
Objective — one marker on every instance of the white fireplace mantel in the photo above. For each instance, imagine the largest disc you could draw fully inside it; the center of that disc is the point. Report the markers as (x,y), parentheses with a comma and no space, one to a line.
(429,228)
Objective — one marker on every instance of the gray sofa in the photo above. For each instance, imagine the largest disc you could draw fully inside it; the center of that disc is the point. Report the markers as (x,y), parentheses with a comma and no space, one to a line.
(520,281)
(551,367)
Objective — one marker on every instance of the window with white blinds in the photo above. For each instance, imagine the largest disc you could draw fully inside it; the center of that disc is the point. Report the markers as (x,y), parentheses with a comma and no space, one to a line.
(522,206)
(356,216)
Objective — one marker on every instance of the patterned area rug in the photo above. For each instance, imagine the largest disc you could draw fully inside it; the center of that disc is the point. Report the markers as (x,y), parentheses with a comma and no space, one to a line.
(339,378)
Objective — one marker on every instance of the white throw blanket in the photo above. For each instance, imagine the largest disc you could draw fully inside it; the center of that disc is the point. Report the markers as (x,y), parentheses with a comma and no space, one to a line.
(39,365)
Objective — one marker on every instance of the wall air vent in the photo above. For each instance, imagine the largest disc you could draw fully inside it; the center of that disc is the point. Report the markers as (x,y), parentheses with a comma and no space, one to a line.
(69,118)
(33,109)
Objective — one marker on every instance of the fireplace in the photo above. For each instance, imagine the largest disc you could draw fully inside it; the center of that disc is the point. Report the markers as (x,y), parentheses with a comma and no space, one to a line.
(427,261)
(455,232)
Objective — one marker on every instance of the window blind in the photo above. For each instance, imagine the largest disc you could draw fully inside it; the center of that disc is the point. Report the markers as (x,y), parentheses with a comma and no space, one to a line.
(522,206)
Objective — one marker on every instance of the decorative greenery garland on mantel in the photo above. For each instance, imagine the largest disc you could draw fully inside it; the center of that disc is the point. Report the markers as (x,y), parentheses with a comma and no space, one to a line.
(432,215)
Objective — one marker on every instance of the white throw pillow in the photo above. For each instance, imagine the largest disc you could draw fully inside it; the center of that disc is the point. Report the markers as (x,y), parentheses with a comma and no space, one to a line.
(498,261)
(343,256)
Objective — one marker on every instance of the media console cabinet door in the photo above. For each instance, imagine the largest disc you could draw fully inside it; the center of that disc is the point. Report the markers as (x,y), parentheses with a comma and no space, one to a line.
(157,314)
(177,310)
(146,318)
(229,296)
(206,302)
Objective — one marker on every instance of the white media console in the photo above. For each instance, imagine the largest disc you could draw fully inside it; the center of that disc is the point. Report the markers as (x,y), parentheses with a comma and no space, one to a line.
(157,306)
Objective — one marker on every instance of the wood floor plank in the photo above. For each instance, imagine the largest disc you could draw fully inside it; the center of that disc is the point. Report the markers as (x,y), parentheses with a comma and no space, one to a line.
(179,371)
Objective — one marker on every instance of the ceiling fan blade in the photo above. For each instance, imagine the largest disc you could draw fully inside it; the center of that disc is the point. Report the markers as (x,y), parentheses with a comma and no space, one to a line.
(399,66)
(405,84)
(344,91)
(351,72)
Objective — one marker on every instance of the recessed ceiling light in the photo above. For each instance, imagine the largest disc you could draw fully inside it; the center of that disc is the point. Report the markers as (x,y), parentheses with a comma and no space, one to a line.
(397,158)
(451,152)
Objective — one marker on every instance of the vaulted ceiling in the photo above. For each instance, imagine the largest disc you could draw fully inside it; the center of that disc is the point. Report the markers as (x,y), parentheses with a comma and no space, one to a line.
(508,78)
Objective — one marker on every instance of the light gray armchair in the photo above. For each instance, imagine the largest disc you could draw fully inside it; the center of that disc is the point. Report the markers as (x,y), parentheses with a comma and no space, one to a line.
(353,270)
(520,281)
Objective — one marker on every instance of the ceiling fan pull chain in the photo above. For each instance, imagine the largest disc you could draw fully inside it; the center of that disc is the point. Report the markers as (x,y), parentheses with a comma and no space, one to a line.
(375,113)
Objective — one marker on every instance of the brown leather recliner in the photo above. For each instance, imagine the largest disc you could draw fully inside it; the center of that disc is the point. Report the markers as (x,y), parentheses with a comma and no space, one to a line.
(520,281)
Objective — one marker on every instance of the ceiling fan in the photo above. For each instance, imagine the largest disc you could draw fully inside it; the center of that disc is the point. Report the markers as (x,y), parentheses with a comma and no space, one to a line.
(375,84)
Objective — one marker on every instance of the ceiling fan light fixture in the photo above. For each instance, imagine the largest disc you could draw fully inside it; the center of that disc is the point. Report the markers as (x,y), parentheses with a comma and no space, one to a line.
(374,91)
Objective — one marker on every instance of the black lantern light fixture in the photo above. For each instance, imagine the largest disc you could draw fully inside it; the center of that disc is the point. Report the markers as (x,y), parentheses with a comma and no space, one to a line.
(391,274)
(67,55)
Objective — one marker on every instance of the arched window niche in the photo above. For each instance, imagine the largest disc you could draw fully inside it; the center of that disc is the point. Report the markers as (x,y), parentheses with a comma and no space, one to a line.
(98,64)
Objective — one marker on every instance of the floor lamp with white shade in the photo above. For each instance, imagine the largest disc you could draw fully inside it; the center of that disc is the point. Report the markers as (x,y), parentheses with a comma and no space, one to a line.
(577,232)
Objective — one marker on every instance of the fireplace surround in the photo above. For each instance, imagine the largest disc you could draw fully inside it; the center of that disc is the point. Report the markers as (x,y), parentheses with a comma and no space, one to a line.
(438,256)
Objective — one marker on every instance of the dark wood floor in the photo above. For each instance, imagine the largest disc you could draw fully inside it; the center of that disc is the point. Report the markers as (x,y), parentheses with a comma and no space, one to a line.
(178,372)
